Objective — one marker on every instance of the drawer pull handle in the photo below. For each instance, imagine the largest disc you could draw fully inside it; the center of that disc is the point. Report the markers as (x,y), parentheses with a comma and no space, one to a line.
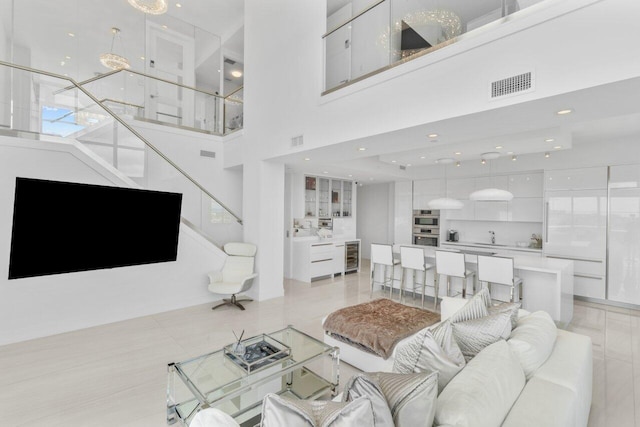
(575,259)
(322,260)
(588,276)
(322,244)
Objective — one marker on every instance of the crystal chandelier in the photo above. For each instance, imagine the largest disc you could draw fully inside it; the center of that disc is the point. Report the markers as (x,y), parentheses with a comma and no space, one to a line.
(152,7)
(113,60)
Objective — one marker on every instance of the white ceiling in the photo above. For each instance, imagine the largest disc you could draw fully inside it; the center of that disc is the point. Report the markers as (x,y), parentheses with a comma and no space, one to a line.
(601,114)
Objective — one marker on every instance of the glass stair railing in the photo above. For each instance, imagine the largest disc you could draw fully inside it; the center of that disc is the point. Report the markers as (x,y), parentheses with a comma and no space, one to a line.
(41,105)
(153,99)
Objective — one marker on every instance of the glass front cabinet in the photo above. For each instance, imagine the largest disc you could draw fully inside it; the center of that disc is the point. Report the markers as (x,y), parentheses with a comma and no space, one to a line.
(325,197)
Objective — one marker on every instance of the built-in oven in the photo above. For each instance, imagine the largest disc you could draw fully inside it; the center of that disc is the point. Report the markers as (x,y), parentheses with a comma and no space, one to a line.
(426,220)
(426,240)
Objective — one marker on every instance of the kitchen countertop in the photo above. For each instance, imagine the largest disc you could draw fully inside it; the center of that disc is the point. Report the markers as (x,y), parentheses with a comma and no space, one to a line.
(316,239)
(493,247)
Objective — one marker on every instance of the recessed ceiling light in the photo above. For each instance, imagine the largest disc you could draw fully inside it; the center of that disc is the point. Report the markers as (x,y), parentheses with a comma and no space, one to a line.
(350,175)
(458,164)
(393,161)
(549,140)
(408,164)
(325,172)
(514,158)
(547,155)
(433,135)
(509,152)
(71,34)
(557,147)
(218,70)
(423,157)
(142,57)
(178,5)
(498,147)
(62,63)
(445,161)
(362,149)
(483,161)
(67,57)
(236,73)
(457,153)
(563,112)
(165,27)
(307,159)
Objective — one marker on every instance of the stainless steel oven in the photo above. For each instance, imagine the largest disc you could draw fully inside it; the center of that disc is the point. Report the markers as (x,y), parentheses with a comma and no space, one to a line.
(426,220)
(426,240)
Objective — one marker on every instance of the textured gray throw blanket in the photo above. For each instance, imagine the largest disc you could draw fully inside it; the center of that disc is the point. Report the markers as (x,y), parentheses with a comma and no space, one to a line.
(378,325)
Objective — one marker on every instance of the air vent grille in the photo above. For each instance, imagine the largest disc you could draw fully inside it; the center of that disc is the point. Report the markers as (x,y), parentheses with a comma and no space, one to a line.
(511,85)
(205,153)
(229,61)
(297,141)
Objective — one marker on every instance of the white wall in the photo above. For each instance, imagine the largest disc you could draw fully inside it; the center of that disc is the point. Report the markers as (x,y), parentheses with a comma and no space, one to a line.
(40,306)
(375,214)
(447,83)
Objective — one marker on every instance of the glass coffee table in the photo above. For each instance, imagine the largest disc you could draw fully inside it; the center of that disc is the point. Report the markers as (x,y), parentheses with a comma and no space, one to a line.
(299,366)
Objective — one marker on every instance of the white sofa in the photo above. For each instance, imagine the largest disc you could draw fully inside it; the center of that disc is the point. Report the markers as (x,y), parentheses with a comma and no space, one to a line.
(557,394)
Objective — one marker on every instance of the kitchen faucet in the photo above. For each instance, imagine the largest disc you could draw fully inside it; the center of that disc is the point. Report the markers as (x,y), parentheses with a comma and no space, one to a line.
(493,237)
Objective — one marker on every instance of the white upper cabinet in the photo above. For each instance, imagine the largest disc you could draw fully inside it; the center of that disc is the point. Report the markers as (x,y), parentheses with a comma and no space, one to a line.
(526,209)
(500,182)
(492,211)
(460,188)
(526,185)
(576,179)
(467,212)
(625,176)
(425,190)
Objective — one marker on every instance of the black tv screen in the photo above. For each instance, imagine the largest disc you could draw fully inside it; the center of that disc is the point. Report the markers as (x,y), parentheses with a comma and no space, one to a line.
(64,227)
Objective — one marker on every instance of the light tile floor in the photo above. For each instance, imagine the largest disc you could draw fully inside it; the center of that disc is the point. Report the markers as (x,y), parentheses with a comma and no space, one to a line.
(115,375)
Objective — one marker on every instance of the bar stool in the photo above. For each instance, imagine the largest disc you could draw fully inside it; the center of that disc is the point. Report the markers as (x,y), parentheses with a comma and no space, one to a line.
(451,264)
(498,270)
(383,255)
(413,259)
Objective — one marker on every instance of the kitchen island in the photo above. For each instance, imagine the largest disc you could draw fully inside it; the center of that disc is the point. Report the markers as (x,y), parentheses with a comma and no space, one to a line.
(315,257)
(547,282)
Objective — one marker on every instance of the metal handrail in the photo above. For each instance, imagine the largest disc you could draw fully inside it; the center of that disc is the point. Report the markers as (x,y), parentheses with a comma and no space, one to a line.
(111,73)
(127,126)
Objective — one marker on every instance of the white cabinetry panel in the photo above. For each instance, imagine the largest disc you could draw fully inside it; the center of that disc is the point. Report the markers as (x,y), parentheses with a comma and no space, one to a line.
(526,185)
(460,188)
(467,212)
(492,211)
(403,226)
(526,209)
(338,258)
(576,179)
(425,190)
(500,182)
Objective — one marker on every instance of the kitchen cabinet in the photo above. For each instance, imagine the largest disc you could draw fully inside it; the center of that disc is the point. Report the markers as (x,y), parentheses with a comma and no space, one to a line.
(325,197)
(576,179)
(467,212)
(403,221)
(526,209)
(339,258)
(426,190)
(460,188)
(526,185)
(491,211)
(501,182)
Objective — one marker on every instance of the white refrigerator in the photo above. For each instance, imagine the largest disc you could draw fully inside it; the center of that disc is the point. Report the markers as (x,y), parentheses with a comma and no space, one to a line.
(624,235)
(576,229)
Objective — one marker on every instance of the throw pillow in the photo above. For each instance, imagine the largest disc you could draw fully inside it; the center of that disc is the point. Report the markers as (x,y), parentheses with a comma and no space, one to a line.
(278,411)
(474,335)
(475,308)
(212,417)
(482,394)
(400,400)
(511,307)
(431,351)
(532,341)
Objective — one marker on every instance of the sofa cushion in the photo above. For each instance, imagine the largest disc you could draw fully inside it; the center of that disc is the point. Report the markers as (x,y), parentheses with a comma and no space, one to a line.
(403,400)
(475,308)
(571,365)
(425,353)
(543,403)
(278,411)
(482,394)
(511,307)
(474,335)
(532,340)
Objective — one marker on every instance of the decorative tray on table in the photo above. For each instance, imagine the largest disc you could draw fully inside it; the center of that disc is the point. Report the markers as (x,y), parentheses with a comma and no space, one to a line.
(260,352)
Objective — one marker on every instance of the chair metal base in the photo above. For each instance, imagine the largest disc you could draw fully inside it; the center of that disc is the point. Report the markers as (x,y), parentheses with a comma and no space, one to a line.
(233,301)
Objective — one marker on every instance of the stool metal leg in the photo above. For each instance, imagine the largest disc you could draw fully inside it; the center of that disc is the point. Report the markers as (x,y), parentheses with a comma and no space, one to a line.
(373,270)
(448,286)
(424,284)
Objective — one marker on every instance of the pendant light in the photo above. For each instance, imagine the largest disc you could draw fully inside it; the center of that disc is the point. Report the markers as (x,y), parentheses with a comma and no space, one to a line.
(113,60)
(152,7)
(445,203)
(491,194)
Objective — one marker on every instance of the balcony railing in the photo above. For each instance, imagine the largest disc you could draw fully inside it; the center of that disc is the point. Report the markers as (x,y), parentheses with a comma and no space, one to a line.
(157,100)
(47,106)
(359,44)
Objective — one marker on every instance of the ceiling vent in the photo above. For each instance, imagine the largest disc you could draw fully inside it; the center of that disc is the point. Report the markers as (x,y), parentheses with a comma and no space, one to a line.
(204,153)
(512,85)
(296,141)
(403,168)
(229,61)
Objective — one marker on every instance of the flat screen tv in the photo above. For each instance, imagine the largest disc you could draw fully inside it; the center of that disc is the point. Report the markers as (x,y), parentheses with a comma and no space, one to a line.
(64,227)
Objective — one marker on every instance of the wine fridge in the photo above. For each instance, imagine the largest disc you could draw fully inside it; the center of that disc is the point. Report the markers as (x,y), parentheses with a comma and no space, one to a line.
(352,256)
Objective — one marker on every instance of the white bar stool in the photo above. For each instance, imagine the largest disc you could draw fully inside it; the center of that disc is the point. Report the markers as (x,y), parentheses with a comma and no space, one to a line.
(451,264)
(383,255)
(413,259)
(498,270)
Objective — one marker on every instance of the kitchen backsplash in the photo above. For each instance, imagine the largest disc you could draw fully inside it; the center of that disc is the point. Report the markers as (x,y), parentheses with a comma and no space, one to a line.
(507,233)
